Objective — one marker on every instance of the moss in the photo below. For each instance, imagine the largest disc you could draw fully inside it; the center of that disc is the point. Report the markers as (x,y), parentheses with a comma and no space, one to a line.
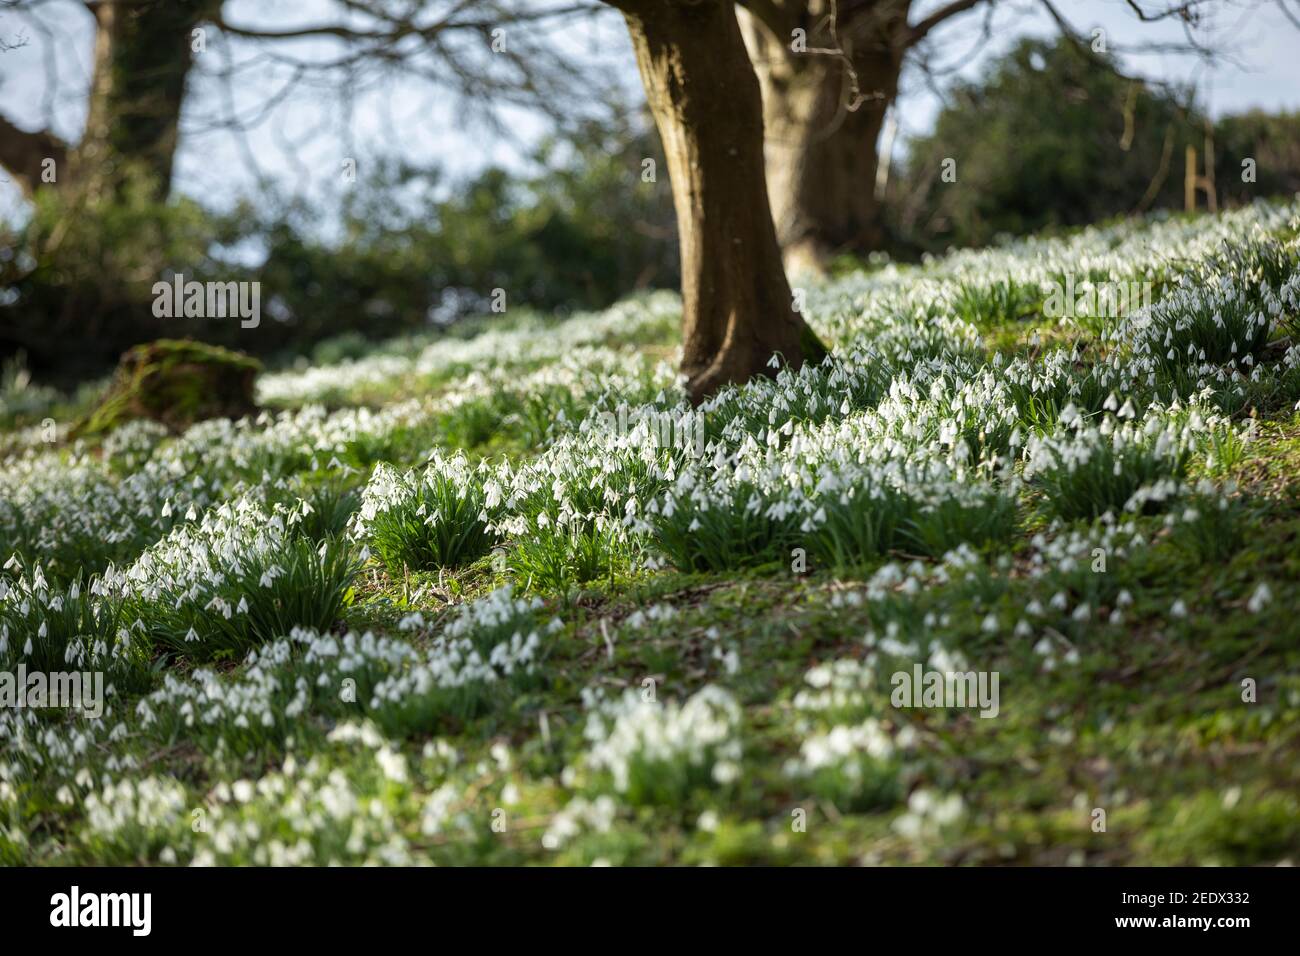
(176,382)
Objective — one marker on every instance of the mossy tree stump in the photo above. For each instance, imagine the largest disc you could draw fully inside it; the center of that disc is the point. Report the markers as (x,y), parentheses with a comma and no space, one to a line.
(176,382)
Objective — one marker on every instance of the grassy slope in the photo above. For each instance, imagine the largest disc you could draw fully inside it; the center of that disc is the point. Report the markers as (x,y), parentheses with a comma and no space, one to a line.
(1147,724)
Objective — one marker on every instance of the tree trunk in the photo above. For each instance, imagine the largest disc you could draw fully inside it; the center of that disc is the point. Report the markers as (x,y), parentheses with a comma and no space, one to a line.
(737,309)
(823,121)
(142,55)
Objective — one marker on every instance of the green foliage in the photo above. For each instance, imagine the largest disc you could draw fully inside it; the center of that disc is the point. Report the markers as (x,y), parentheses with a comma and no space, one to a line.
(552,560)
(985,305)
(863,785)
(331,503)
(870,518)
(55,629)
(1052,137)
(580,232)
(1212,528)
(1272,141)
(21,400)
(731,529)
(440,522)
(1102,470)
(303,583)
(938,526)
(76,279)
(860,524)
(1210,828)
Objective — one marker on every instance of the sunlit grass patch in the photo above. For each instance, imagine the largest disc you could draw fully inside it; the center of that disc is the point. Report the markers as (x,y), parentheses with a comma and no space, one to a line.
(425,520)
(75,627)
(553,559)
(1087,470)
(715,528)
(239,577)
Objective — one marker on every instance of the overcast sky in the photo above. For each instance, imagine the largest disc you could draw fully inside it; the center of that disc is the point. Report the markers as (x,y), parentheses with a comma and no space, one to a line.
(299,144)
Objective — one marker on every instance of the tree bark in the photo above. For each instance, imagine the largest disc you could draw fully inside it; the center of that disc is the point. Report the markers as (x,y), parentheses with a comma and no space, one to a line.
(737,309)
(143,55)
(825,96)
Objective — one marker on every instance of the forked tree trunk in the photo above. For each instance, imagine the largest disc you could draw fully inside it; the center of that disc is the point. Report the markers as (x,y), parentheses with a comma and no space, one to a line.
(142,56)
(737,305)
(823,122)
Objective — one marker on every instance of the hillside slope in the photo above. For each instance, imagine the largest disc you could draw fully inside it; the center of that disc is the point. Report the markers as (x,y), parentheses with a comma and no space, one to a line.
(508,599)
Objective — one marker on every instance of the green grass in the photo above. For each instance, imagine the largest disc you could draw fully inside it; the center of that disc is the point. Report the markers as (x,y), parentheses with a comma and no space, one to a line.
(710,684)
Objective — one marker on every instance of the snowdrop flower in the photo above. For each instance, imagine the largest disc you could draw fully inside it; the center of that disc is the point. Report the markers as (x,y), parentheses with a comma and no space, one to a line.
(1260,598)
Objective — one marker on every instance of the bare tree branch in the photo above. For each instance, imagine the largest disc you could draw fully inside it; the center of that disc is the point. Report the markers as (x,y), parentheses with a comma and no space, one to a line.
(1286,11)
(922,29)
(23,153)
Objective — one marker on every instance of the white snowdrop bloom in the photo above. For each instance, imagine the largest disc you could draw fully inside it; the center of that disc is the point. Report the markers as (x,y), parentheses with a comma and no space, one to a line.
(580,814)
(500,753)
(634,736)
(436,813)
(948,810)
(730,660)
(841,685)
(928,814)
(726,772)
(897,648)
(844,747)
(392,764)
(942,659)
(1178,609)
(1260,598)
